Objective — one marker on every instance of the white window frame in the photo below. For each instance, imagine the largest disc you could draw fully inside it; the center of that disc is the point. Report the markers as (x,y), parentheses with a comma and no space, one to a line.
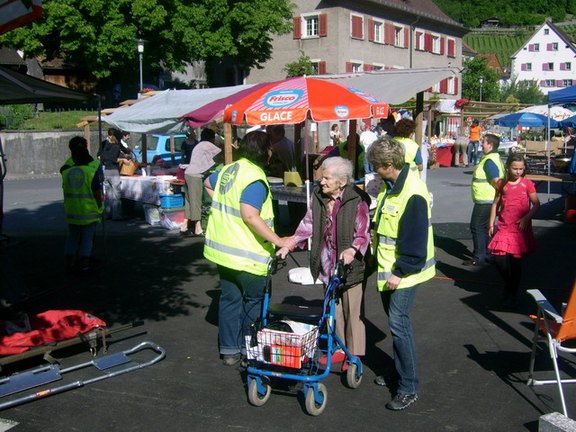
(549,83)
(378,35)
(554,46)
(528,67)
(436,44)
(536,47)
(568,66)
(399,36)
(310,18)
(316,65)
(419,40)
(357,65)
(546,31)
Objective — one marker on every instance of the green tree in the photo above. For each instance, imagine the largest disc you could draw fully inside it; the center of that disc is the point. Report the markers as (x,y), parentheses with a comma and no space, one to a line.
(524,92)
(302,66)
(100,35)
(478,77)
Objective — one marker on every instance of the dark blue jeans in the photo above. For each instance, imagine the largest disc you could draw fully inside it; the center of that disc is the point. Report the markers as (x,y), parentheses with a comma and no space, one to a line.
(240,305)
(472,152)
(397,305)
(479,230)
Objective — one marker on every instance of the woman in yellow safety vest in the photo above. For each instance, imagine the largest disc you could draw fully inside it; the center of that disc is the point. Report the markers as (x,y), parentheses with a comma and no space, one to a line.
(404,249)
(240,240)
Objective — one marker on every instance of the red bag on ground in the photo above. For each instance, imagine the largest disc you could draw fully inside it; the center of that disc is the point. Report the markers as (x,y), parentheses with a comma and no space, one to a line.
(44,328)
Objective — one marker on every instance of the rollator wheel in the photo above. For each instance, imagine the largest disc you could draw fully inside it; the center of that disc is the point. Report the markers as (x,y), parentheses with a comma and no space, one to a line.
(312,406)
(353,378)
(254,397)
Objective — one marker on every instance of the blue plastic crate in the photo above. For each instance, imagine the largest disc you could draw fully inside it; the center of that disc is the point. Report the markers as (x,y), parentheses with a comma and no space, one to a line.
(171,201)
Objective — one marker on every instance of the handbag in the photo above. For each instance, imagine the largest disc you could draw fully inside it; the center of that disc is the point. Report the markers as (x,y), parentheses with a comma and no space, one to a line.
(128,167)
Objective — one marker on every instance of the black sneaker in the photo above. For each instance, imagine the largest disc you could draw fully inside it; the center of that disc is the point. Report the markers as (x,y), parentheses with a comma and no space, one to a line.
(401,401)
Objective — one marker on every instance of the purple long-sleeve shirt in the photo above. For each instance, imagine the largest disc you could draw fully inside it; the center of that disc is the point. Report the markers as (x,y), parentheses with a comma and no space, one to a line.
(329,256)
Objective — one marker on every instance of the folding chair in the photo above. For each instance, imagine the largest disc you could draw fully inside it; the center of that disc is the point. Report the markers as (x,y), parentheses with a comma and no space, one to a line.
(555,329)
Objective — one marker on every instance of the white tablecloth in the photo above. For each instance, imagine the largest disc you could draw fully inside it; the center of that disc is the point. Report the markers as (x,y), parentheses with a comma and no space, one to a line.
(145,189)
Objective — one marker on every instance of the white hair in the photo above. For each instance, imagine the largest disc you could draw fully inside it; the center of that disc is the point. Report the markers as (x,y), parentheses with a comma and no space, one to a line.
(341,168)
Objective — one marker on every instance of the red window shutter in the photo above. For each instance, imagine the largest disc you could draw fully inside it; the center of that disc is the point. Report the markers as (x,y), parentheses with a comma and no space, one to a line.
(370,29)
(442,42)
(562,66)
(368,67)
(549,47)
(321,67)
(444,86)
(456,85)
(357,27)
(322,25)
(418,36)
(407,37)
(451,49)
(428,42)
(542,83)
(531,47)
(429,89)
(349,67)
(523,66)
(297,24)
(559,83)
(544,66)
(388,34)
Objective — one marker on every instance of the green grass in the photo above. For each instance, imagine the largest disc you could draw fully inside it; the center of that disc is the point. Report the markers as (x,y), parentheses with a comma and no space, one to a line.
(63,120)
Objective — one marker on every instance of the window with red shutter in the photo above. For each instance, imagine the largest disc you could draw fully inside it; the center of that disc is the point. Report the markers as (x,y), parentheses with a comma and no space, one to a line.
(322,25)
(407,37)
(370,30)
(442,42)
(357,24)
(297,31)
(523,66)
(349,67)
(418,36)
(451,48)
(444,86)
(368,67)
(389,34)
(321,67)
(456,85)
(428,42)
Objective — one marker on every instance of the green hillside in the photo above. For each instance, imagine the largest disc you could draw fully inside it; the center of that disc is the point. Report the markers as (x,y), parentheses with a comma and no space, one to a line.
(501,44)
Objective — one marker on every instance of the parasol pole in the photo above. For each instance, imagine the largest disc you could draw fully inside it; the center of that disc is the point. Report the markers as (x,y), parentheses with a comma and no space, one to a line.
(548,150)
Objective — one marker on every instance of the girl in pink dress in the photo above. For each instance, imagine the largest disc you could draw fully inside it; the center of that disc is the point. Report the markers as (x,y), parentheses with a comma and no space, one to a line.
(515,204)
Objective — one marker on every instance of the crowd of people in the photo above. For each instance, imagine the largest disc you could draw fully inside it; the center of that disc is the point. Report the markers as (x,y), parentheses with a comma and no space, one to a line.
(389,233)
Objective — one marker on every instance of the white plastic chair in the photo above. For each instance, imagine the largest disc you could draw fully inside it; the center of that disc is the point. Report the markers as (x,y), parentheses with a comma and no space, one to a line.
(555,329)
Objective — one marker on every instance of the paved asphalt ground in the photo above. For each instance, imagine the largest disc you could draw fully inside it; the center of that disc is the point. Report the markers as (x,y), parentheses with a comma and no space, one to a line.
(473,356)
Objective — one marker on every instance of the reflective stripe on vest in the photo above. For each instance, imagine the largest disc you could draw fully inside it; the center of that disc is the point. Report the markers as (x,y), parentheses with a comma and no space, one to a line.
(230,242)
(387,231)
(482,191)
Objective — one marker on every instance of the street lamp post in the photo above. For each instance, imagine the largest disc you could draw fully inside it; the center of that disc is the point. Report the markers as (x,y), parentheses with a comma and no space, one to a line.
(140,46)
(481,83)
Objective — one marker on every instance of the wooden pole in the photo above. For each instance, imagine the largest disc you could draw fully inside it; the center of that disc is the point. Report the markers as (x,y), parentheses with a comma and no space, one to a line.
(227,143)
(352,143)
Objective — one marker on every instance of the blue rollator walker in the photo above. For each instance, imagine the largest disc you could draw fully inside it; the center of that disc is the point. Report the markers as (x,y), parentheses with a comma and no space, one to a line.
(280,348)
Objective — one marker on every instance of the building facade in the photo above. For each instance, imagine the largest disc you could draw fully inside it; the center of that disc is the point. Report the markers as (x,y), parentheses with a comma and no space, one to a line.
(547,57)
(355,36)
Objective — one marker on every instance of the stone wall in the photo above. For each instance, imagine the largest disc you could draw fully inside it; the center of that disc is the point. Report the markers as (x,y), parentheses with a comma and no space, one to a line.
(39,153)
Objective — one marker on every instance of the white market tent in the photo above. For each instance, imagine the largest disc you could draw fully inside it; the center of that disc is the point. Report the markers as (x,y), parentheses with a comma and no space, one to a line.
(394,86)
(161,113)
